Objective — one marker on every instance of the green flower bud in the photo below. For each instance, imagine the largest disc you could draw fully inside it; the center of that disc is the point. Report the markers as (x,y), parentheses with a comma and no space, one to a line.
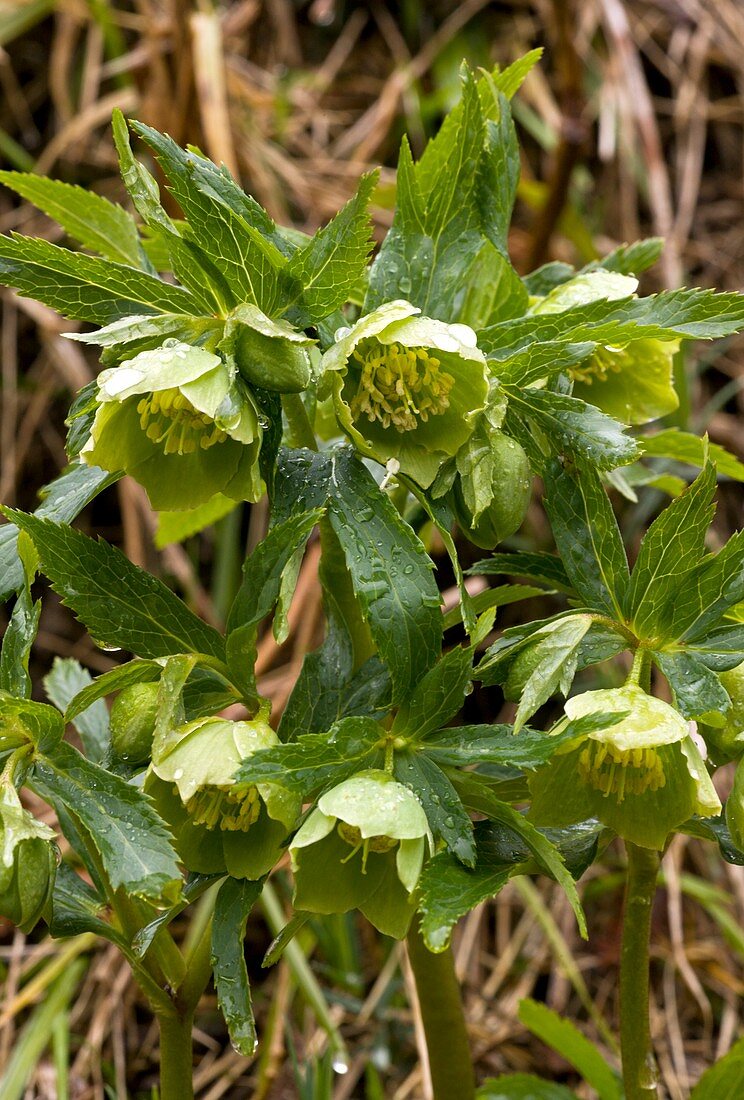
(512,484)
(406,387)
(181,422)
(362,848)
(633,383)
(132,720)
(642,777)
(271,354)
(727,740)
(217,823)
(27,862)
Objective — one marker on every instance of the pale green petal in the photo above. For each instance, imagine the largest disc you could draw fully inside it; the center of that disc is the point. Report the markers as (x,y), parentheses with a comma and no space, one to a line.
(163,368)
(409,859)
(370,325)
(651,722)
(316,826)
(377,805)
(426,332)
(205,755)
(634,384)
(708,802)
(252,316)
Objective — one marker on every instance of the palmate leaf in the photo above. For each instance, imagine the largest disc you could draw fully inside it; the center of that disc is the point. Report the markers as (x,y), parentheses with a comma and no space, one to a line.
(697,690)
(545,569)
(437,697)
(86,288)
(132,841)
(333,261)
(88,218)
(714,586)
(120,604)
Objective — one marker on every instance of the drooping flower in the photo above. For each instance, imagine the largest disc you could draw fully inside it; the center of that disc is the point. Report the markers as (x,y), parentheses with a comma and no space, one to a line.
(642,776)
(182,422)
(726,739)
(217,823)
(362,848)
(407,387)
(634,382)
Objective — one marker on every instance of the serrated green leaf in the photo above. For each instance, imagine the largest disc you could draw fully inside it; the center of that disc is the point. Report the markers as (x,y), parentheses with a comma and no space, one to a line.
(565,1038)
(510,80)
(226,224)
(331,264)
(259,590)
(20,633)
(76,908)
(121,604)
(691,449)
(232,908)
(572,427)
(88,218)
(437,697)
(549,664)
(588,537)
(716,585)
(463,745)
(697,690)
(538,361)
(90,691)
(672,547)
(84,287)
(312,762)
(64,684)
(444,811)
(390,571)
(632,259)
(132,841)
(545,569)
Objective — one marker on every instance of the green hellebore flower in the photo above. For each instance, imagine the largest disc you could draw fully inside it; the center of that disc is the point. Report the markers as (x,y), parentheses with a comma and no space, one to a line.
(27,862)
(642,777)
(407,387)
(635,383)
(362,848)
(181,422)
(217,823)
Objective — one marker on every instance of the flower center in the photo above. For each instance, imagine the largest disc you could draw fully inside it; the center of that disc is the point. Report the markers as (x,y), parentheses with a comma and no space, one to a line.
(602,363)
(169,418)
(226,808)
(621,771)
(399,386)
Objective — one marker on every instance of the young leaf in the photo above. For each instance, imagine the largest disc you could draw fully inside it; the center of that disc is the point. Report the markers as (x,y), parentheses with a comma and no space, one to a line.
(566,1039)
(65,684)
(444,810)
(84,287)
(259,590)
(390,571)
(132,841)
(464,745)
(588,538)
(88,218)
(672,547)
(232,908)
(572,427)
(716,585)
(632,259)
(723,1080)
(332,263)
(76,908)
(548,663)
(121,604)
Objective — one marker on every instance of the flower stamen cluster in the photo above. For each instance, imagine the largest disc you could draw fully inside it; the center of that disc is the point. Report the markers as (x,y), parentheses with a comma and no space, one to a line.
(621,771)
(605,361)
(168,417)
(225,807)
(399,385)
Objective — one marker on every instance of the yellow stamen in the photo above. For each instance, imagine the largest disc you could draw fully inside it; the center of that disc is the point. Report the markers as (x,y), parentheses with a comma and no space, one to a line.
(602,363)
(169,418)
(399,386)
(225,808)
(621,771)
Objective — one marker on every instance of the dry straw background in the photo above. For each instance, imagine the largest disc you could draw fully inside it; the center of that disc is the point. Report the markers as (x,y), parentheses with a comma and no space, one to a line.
(633,125)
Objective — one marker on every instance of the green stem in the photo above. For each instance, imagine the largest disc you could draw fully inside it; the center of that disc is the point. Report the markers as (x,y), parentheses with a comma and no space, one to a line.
(176,1056)
(300,427)
(198,968)
(442,1015)
(639,1067)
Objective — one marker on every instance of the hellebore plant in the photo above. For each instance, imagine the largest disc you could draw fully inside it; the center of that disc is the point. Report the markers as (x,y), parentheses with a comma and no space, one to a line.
(379,410)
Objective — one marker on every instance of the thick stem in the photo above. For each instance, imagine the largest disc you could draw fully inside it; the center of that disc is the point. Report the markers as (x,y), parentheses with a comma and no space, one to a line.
(442,1015)
(176,1056)
(639,1066)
